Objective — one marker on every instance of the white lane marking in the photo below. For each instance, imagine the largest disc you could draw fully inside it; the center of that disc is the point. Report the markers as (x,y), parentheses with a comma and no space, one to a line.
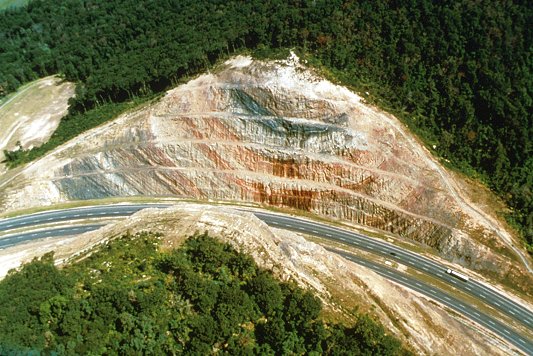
(37,220)
(90,214)
(477,314)
(76,216)
(438,274)
(314,231)
(76,229)
(448,299)
(410,262)
(468,289)
(370,247)
(425,269)
(342,238)
(507,331)
(356,243)
(49,219)
(418,284)
(433,291)
(482,296)
(9,225)
(527,322)
(328,235)
(490,321)
(454,282)
(405,279)
(462,306)
(510,311)
(274,223)
(496,303)
(522,340)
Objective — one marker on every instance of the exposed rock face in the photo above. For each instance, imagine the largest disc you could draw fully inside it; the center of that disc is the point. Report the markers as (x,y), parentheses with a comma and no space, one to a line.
(271,133)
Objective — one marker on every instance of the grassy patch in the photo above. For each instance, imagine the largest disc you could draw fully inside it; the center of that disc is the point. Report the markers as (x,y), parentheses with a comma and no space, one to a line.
(5,4)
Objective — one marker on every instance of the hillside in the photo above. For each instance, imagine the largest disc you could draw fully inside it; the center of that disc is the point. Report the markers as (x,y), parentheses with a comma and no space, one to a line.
(458,73)
(275,133)
(393,119)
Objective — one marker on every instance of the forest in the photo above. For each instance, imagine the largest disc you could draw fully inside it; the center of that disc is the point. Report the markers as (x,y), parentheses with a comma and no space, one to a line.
(458,73)
(132,297)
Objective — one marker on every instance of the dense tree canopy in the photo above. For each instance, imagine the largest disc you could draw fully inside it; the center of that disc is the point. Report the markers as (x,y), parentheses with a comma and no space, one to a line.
(130,298)
(458,72)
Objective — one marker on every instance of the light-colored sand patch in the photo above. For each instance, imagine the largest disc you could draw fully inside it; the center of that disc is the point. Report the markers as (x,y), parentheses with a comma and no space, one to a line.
(38,129)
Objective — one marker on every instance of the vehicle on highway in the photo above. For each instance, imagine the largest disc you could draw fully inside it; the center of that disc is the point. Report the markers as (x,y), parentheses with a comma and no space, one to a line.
(458,275)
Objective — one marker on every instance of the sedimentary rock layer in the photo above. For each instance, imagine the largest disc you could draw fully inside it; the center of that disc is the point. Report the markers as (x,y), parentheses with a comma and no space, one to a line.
(271,133)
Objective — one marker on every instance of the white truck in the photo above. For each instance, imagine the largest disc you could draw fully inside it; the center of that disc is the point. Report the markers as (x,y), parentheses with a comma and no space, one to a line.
(457,275)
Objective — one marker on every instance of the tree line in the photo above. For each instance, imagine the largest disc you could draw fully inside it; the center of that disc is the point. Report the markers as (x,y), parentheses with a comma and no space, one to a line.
(132,297)
(458,73)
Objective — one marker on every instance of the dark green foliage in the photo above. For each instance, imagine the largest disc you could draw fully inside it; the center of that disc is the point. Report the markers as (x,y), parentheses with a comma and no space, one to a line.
(130,298)
(38,288)
(458,73)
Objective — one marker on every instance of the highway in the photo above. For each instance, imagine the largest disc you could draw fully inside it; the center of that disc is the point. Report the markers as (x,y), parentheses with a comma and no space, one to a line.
(375,246)
(54,216)
(444,298)
(12,240)
(410,259)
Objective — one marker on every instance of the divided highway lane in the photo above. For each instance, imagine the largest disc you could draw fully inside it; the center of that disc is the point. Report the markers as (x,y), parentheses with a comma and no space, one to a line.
(101,211)
(11,240)
(437,294)
(376,246)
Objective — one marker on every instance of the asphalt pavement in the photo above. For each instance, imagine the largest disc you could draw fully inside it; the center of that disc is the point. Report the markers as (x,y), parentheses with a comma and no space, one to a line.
(410,259)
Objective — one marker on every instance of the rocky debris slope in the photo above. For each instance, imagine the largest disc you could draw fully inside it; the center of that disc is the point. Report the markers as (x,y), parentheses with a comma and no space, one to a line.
(342,285)
(273,133)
